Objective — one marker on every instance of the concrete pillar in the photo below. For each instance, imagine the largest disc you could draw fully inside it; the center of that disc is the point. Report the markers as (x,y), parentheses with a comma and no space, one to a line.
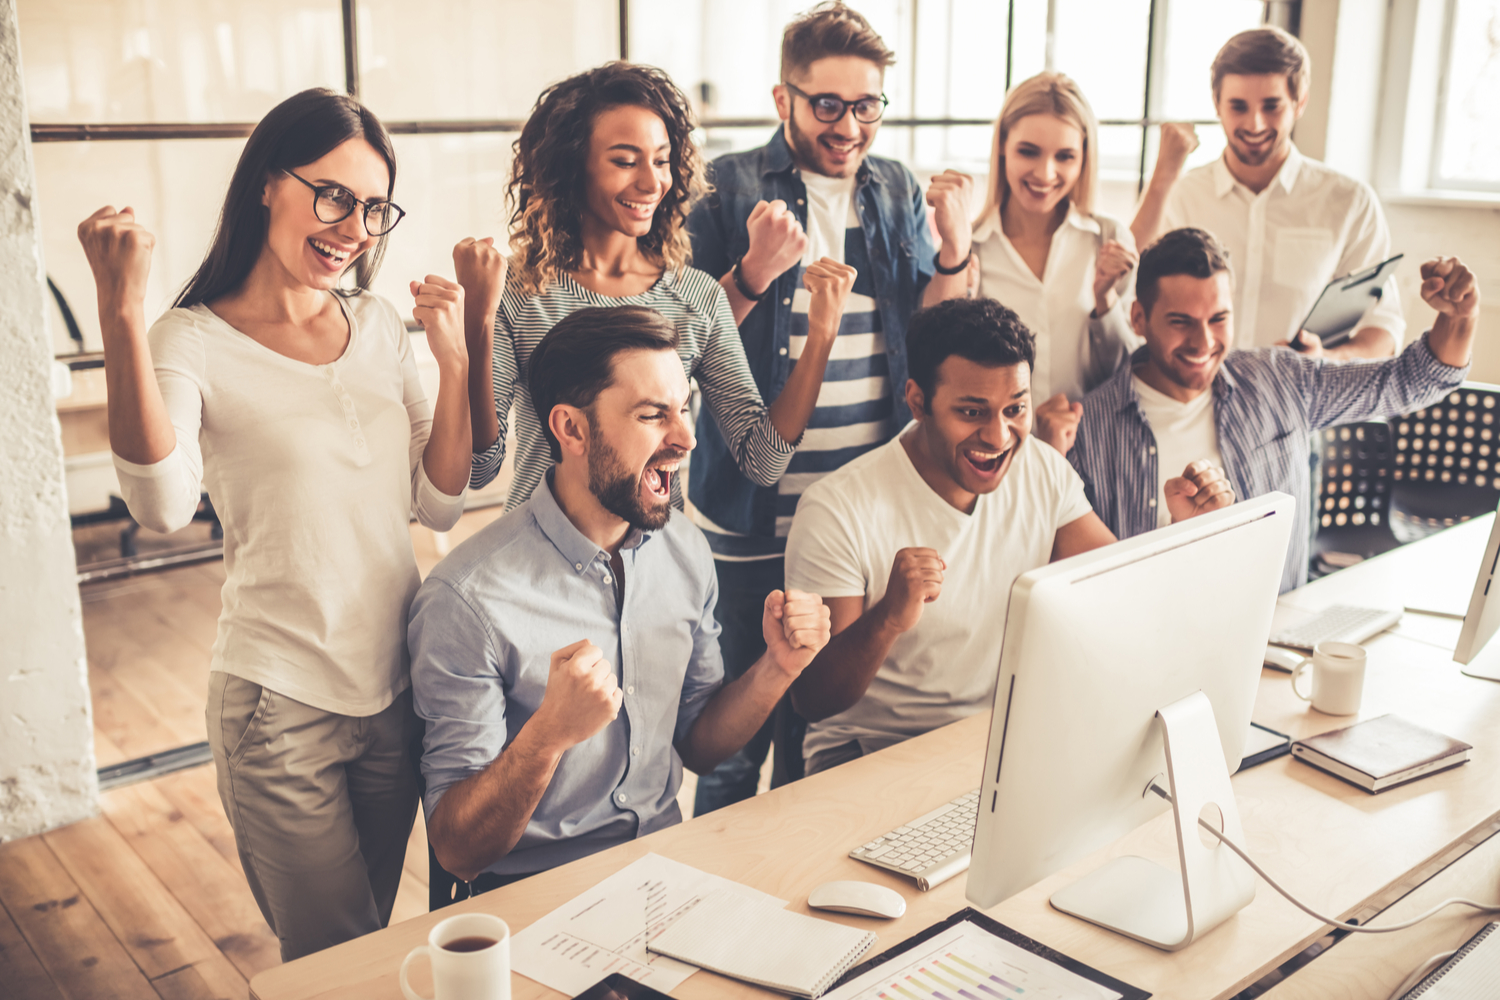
(47,771)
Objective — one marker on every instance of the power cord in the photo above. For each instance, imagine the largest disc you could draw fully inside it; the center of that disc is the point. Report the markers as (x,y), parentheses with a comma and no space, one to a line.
(1360,928)
(1422,973)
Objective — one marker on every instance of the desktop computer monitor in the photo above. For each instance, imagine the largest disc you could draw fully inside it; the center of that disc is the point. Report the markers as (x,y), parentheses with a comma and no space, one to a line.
(1483,616)
(1094,646)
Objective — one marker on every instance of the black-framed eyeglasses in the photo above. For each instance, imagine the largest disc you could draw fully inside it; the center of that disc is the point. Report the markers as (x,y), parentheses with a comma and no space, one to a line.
(335,203)
(830,108)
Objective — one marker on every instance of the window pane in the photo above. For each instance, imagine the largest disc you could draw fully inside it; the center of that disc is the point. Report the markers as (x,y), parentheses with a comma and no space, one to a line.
(485,59)
(1469,151)
(1102,45)
(176,189)
(1195,33)
(175,60)
(958,68)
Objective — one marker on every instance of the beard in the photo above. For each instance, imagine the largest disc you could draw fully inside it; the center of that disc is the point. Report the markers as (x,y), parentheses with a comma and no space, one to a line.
(808,152)
(619,492)
(1255,158)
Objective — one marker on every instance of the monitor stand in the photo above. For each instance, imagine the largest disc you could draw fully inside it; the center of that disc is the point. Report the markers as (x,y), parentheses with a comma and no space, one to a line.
(1164,908)
(1485,664)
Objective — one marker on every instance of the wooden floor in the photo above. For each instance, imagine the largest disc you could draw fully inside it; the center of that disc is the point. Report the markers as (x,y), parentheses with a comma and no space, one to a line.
(148,899)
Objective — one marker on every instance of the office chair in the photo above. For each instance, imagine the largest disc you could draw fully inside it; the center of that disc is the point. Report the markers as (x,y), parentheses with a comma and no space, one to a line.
(1354,500)
(1447,462)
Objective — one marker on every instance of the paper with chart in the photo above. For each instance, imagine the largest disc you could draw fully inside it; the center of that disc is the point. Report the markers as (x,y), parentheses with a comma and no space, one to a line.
(967,962)
(605,929)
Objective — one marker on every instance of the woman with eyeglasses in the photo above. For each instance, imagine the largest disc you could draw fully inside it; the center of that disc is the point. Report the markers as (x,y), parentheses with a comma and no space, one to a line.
(296,403)
(605,171)
(1043,251)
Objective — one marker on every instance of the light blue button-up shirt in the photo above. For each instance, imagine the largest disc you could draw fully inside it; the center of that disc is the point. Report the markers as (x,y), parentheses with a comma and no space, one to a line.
(482,632)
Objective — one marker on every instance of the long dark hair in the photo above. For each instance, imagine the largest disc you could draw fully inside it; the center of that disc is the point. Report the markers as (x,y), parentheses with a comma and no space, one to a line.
(549,178)
(303,128)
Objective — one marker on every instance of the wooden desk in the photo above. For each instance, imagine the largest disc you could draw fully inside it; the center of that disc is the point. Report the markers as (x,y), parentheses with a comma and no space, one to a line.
(1341,850)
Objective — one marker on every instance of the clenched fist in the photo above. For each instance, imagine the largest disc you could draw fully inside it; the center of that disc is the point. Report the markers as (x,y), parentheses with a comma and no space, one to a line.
(796,625)
(119,252)
(582,695)
(1115,260)
(1178,140)
(777,241)
(916,580)
(1449,287)
(828,282)
(949,194)
(439,307)
(1202,487)
(1057,422)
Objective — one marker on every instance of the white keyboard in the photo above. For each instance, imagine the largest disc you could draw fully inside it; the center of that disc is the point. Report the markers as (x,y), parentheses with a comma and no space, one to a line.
(1336,623)
(931,848)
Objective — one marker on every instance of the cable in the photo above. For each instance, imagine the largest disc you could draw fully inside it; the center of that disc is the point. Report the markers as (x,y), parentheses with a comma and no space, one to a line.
(1422,973)
(1483,907)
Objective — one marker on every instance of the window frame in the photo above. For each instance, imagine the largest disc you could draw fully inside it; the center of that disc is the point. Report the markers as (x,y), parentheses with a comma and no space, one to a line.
(1435,181)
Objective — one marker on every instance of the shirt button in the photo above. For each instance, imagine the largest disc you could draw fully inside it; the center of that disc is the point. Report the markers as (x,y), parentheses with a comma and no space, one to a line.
(783,350)
(353,423)
(801,202)
(786,302)
(578,565)
(620,798)
(1151,502)
(1151,451)
(635,751)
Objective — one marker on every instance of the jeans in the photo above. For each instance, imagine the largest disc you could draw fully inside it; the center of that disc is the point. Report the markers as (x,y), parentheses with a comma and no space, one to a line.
(743,587)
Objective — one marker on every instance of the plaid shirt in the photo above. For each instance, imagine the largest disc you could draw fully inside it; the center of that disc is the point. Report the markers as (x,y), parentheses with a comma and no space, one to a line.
(1266,404)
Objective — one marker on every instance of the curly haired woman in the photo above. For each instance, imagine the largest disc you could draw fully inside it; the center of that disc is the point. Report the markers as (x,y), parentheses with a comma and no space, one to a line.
(605,172)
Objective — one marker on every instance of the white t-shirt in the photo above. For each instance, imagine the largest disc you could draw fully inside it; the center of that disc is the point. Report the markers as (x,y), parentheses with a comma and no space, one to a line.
(830,211)
(845,537)
(315,472)
(1185,433)
(1310,225)
(1074,351)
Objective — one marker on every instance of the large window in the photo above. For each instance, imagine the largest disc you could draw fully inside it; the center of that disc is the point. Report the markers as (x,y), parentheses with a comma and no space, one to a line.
(1467,151)
(147,102)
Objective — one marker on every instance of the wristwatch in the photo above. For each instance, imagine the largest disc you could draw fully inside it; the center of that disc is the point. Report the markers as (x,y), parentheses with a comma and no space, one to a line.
(739,282)
(938,263)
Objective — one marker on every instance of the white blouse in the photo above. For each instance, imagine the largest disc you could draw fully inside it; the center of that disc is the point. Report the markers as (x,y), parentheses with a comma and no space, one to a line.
(1074,351)
(314,471)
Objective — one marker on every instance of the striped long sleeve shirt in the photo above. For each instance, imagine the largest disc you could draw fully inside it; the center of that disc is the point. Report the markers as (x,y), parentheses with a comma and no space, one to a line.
(1266,404)
(709,346)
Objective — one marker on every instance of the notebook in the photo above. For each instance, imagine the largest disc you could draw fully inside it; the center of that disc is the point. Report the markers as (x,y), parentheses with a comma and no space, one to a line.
(752,939)
(1473,973)
(1382,752)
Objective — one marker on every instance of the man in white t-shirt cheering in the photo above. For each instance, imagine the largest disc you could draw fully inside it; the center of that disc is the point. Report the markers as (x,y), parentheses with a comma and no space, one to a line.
(914,546)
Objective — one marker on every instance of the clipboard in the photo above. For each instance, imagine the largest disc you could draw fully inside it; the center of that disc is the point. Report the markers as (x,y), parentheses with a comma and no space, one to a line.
(910,960)
(1344,300)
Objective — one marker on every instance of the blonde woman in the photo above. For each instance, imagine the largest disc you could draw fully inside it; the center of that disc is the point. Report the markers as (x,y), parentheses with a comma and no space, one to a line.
(1041,249)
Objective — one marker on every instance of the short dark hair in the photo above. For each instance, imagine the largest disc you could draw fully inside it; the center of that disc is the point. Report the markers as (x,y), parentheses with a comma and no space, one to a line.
(1263,52)
(830,29)
(979,330)
(576,359)
(1188,251)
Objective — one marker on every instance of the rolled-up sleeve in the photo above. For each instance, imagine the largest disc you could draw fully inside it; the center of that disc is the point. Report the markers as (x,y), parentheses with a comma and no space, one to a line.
(505,372)
(457,688)
(164,495)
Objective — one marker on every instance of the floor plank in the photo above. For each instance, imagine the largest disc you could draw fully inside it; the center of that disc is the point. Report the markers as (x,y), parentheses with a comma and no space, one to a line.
(20,970)
(195,793)
(69,937)
(158,933)
(209,888)
(130,723)
(204,981)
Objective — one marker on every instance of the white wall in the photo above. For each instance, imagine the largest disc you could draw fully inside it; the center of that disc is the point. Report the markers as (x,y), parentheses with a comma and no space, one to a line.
(47,775)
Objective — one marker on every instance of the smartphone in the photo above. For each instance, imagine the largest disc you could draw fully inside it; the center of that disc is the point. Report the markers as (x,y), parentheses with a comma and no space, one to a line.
(617,987)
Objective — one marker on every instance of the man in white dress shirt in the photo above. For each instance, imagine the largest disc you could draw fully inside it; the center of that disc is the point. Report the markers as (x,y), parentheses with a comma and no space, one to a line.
(1290,223)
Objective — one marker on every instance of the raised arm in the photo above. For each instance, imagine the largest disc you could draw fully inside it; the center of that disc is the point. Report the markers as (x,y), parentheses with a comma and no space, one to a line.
(1178,140)
(795,626)
(777,242)
(839,675)
(481,818)
(119,253)
(949,194)
(1450,288)
(480,269)
(439,305)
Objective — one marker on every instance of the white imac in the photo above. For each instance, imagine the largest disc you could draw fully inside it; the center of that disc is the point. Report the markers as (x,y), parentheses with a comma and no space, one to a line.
(1169,624)
(1483,616)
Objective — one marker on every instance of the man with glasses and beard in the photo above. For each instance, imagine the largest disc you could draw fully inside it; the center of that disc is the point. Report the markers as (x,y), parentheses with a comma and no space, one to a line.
(812,194)
(566,658)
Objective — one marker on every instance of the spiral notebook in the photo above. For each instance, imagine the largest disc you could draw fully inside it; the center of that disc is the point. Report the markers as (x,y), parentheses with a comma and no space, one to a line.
(1473,973)
(754,940)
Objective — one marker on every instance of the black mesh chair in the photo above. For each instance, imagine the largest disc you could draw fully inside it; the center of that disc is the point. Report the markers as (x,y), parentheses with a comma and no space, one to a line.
(1447,462)
(1354,502)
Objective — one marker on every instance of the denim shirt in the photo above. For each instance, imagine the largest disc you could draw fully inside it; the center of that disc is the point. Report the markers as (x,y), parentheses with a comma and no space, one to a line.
(893,215)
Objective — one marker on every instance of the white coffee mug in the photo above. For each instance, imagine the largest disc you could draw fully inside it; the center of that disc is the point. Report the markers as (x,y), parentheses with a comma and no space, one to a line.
(1338,678)
(470,956)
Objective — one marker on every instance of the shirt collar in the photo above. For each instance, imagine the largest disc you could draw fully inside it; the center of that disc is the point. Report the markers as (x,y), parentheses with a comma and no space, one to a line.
(778,160)
(574,545)
(1286,177)
(990,224)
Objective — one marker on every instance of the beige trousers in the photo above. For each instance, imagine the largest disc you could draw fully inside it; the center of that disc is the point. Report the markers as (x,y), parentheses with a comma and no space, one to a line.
(321,804)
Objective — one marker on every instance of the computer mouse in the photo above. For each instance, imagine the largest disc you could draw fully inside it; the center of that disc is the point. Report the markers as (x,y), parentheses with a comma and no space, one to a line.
(1278,658)
(865,899)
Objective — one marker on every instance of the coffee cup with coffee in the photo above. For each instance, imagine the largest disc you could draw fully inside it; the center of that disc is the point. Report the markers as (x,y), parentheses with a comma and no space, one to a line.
(1338,678)
(470,956)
